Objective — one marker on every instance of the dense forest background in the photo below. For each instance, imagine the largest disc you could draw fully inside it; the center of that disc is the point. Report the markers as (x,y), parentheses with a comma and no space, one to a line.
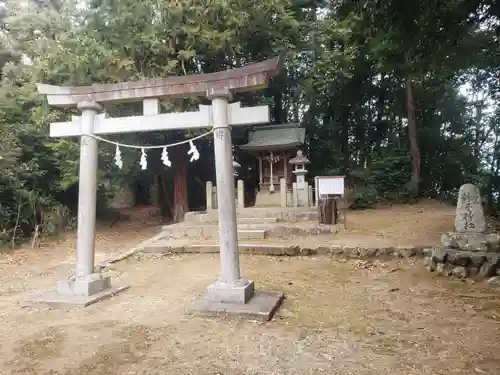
(400,96)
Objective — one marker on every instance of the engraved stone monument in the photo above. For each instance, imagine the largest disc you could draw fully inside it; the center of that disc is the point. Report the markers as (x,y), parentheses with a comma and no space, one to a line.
(469,251)
(470,215)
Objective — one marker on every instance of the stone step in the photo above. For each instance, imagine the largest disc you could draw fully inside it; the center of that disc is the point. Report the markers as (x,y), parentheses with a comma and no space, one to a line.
(256,220)
(292,215)
(252,234)
(250,231)
(164,247)
(285,215)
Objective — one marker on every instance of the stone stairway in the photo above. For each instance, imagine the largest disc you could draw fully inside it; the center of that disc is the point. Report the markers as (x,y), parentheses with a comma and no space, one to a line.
(253,224)
(258,214)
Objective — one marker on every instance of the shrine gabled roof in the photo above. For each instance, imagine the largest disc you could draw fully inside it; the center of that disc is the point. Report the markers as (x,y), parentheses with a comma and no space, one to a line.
(275,137)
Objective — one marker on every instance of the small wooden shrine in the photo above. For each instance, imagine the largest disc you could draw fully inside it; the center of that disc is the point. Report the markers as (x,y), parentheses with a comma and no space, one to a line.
(274,146)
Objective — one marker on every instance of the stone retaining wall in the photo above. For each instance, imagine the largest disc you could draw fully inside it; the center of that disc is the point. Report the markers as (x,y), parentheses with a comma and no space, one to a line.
(283,231)
(293,250)
(463,264)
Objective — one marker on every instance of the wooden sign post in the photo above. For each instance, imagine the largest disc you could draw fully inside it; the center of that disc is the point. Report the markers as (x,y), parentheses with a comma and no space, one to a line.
(330,190)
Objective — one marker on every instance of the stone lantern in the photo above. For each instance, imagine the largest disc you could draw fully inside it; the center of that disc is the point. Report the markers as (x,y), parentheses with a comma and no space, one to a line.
(299,162)
(300,191)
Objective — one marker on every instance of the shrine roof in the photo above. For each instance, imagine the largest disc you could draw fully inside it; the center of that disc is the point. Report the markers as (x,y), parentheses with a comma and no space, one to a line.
(275,137)
(247,78)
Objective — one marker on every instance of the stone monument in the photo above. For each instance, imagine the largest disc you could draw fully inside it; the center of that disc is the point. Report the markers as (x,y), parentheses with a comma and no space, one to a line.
(470,216)
(469,251)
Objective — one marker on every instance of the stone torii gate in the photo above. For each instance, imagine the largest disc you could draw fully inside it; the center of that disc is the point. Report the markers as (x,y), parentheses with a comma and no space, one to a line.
(231,292)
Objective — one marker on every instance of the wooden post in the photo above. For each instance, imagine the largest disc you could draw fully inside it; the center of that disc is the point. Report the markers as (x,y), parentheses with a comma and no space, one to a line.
(295,201)
(271,182)
(316,191)
(241,194)
(261,178)
(283,191)
(209,195)
(285,168)
(327,210)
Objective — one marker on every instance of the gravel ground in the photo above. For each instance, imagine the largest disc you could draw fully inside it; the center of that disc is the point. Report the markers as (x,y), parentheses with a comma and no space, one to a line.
(339,317)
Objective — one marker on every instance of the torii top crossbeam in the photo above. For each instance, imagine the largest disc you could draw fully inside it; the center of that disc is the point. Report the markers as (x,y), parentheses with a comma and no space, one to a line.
(250,77)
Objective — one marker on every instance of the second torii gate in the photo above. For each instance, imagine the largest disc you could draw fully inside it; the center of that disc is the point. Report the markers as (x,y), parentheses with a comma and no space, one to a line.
(231,292)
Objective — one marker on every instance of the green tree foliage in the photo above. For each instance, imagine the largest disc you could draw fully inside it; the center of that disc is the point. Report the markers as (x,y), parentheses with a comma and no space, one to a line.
(379,85)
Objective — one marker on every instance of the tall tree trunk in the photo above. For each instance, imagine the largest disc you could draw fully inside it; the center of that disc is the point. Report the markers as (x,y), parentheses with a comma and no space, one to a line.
(296,104)
(361,137)
(278,108)
(381,99)
(311,112)
(412,132)
(490,198)
(179,168)
(164,200)
(344,126)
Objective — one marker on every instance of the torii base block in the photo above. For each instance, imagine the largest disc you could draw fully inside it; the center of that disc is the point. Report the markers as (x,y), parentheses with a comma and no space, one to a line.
(261,306)
(79,293)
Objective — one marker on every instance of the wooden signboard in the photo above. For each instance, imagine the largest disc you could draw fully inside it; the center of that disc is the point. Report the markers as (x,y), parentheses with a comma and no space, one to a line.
(330,190)
(331,185)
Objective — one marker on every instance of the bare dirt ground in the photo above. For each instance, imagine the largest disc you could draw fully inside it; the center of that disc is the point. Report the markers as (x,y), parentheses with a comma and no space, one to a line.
(399,225)
(339,317)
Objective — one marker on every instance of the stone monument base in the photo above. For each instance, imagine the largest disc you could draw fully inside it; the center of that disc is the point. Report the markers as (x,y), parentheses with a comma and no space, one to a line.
(463,264)
(261,306)
(79,292)
(482,242)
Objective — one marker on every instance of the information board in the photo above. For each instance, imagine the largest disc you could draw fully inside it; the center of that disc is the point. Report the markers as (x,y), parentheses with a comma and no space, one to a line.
(331,185)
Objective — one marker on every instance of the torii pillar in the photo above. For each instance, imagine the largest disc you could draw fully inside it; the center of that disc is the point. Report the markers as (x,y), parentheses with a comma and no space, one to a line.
(231,293)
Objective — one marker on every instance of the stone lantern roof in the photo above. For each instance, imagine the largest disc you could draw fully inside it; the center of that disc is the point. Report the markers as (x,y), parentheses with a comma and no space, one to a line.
(299,159)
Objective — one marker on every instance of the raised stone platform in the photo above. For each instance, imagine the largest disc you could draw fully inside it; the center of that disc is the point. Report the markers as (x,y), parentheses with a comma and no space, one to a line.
(79,291)
(463,264)
(56,300)
(252,234)
(261,306)
(248,231)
